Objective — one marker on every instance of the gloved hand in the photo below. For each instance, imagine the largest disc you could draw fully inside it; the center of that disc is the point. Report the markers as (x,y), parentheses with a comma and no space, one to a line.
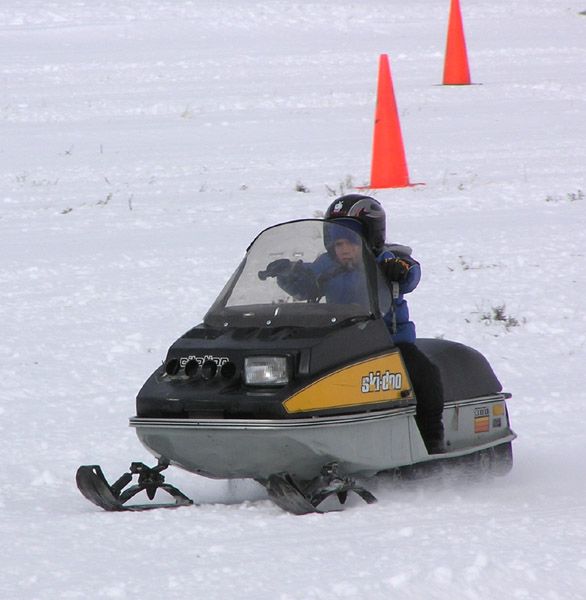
(300,281)
(395,269)
(278,267)
(295,278)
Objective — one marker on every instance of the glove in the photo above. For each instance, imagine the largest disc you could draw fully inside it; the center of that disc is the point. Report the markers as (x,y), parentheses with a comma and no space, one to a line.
(300,281)
(278,267)
(295,278)
(395,269)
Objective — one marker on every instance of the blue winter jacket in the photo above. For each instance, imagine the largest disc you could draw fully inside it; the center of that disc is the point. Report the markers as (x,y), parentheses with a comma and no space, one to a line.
(343,286)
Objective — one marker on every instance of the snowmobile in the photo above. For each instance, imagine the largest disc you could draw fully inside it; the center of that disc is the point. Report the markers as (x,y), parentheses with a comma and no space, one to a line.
(303,395)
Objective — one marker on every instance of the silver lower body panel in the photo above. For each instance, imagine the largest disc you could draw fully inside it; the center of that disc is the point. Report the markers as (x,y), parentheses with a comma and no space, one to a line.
(362,444)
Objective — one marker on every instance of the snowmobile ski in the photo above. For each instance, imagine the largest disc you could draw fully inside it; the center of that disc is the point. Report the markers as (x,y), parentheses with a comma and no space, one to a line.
(283,491)
(286,493)
(94,486)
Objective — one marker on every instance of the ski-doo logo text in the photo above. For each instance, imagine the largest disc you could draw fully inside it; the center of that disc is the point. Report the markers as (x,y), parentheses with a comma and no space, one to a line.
(381,382)
(219,360)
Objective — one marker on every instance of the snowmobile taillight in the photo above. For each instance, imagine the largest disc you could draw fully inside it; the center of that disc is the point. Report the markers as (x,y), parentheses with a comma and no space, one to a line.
(266,370)
(172,366)
(191,368)
(209,370)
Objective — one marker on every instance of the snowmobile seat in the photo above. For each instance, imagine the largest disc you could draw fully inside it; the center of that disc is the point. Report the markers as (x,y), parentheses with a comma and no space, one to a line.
(464,371)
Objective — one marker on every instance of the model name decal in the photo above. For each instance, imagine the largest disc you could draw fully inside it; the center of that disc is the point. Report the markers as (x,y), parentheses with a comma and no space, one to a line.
(381,382)
(219,360)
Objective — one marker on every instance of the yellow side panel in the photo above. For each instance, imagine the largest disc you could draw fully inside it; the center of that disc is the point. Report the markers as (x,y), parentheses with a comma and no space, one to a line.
(376,380)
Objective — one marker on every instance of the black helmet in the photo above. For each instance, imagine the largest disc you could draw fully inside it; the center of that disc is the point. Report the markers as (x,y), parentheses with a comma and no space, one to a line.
(368,211)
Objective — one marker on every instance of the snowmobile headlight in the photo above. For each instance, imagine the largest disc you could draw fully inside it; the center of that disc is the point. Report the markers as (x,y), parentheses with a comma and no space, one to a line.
(266,370)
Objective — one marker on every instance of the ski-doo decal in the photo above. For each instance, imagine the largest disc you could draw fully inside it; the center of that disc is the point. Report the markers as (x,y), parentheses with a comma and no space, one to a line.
(377,380)
(219,360)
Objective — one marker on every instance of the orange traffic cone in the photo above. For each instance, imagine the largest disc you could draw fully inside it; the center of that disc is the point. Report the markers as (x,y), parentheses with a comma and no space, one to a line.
(456,71)
(389,167)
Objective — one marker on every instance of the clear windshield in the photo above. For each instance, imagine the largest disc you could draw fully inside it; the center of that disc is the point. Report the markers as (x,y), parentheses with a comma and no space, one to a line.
(308,273)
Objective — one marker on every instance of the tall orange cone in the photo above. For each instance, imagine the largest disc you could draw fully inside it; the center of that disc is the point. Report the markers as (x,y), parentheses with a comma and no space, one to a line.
(389,167)
(456,70)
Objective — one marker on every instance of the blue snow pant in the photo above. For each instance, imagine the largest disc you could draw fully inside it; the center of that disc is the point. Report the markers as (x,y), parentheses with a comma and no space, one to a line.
(427,384)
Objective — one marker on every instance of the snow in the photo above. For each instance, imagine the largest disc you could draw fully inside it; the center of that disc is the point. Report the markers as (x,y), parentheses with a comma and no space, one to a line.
(143,144)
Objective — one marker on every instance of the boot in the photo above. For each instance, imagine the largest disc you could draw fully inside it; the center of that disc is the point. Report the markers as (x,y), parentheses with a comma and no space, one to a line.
(436,445)
(432,434)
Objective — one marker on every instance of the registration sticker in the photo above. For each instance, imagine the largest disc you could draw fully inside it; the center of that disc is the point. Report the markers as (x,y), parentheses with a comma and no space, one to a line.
(481,420)
(498,410)
(481,424)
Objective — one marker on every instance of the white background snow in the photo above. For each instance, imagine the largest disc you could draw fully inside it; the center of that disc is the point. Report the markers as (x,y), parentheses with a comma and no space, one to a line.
(144,143)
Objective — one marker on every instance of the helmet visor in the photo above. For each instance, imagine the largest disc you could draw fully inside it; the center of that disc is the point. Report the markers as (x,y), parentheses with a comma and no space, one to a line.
(343,229)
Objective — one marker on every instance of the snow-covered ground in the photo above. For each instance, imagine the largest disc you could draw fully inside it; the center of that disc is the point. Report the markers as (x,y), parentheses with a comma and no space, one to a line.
(143,143)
